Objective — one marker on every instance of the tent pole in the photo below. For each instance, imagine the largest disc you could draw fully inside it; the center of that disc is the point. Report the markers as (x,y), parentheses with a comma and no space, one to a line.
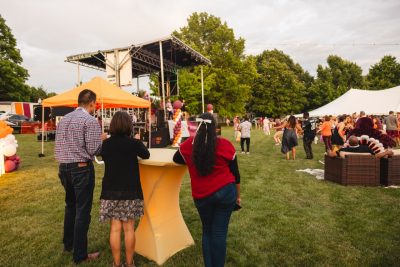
(202,88)
(102,116)
(177,82)
(162,80)
(79,76)
(116,64)
(137,91)
(150,126)
(41,155)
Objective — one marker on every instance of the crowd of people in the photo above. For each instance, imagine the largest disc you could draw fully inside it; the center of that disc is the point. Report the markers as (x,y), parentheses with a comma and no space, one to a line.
(333,131)
(211,161)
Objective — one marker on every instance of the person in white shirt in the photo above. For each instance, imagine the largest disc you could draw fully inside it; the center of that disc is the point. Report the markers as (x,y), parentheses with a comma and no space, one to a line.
(170,110)
(266,126)
(245,128)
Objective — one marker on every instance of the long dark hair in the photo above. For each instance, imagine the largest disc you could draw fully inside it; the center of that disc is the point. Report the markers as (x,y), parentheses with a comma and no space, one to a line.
(292,121)
(204,145)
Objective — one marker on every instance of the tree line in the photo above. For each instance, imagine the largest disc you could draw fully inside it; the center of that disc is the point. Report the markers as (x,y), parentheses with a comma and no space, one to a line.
(269,83)
(13,76)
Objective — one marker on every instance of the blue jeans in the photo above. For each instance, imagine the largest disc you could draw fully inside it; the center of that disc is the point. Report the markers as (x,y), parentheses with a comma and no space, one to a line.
(78,183)
(215,212)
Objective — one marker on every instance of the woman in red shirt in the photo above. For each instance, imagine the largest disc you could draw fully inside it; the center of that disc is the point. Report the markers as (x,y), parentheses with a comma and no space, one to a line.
(215,181)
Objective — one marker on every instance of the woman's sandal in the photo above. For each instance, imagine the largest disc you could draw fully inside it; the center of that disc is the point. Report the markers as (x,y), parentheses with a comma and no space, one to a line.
(114,265)
(130,265)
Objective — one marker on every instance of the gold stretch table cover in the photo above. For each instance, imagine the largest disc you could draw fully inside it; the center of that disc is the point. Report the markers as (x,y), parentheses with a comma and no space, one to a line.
(162,232)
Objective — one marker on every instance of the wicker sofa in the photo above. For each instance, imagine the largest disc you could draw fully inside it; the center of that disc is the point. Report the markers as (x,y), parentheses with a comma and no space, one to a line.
(353,169)
(390,170)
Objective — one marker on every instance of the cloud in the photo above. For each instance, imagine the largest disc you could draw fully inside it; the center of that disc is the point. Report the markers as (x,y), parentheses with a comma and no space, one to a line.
(48,31)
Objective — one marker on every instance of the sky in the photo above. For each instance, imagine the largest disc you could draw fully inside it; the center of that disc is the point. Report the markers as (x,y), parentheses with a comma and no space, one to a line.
(47,31)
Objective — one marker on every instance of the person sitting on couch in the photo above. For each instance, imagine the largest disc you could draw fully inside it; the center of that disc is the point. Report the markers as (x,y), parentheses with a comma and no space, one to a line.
(355,147)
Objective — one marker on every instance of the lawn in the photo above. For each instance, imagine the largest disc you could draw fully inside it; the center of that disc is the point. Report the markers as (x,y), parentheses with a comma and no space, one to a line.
(288,218)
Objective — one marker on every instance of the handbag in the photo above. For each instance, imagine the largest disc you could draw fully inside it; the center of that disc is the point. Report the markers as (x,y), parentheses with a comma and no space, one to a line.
(237,207)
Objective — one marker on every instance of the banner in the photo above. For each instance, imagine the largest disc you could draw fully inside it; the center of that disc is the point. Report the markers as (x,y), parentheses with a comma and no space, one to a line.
(124,60)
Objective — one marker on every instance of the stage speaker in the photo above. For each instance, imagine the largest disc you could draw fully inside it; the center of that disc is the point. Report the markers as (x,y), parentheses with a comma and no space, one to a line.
(160,118)
(37,114)
(160,138)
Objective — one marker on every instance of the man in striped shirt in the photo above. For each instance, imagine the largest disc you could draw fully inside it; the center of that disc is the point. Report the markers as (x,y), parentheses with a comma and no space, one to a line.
(78,140)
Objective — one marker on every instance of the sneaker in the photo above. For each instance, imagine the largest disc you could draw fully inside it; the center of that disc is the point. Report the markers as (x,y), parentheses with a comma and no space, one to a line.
(277,144)
(247,153)
(242,152)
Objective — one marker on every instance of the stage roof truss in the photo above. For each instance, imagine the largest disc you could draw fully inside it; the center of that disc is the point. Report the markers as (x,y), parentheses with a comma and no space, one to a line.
(146,57)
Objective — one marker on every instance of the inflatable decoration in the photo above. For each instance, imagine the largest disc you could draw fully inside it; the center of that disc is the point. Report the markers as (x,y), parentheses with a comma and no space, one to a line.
(177,118)
(9,161)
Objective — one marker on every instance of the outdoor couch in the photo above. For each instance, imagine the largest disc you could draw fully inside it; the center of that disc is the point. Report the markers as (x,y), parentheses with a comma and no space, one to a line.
(353,169)
(390,170)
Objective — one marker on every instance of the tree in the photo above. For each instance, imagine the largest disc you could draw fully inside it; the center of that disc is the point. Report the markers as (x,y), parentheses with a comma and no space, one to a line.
(384,74)
(227,81)
(36,93)
(12,74)
(279,88)
(334,80)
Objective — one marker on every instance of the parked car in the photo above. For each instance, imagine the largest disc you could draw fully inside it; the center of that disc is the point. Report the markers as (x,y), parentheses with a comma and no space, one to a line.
(17,121)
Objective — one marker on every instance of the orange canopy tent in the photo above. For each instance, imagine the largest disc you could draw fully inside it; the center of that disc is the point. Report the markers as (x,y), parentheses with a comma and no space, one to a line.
(108,96)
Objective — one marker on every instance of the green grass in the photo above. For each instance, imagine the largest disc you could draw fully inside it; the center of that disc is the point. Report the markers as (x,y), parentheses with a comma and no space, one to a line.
(288,218)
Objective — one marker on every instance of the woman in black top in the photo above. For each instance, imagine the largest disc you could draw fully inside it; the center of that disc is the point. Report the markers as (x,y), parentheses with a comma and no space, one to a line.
(121,195)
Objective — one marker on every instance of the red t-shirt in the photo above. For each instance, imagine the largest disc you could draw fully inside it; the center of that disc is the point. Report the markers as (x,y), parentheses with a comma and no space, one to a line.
(203,186)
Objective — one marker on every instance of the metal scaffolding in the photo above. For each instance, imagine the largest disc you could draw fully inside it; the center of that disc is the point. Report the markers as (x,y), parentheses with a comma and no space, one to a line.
(163,57)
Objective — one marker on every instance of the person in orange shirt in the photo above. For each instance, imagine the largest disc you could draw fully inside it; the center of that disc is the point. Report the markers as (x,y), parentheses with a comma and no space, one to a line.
(326,132)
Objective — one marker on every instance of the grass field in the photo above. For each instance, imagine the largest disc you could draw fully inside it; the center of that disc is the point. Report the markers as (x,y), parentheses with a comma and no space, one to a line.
(288,218)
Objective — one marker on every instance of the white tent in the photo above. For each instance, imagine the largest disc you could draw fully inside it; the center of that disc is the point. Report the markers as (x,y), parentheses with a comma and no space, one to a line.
(372,102)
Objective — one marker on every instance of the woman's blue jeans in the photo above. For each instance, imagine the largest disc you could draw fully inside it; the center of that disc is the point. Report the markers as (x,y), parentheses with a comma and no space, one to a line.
(215,212)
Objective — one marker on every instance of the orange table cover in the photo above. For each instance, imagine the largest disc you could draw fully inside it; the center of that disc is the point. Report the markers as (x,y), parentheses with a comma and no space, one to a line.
(162,232)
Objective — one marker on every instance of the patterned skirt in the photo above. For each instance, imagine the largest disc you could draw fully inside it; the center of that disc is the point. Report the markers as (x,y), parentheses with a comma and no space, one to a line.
(122,210)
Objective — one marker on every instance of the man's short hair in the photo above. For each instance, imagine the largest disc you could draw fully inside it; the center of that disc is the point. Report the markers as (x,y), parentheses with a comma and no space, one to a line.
(306,115)
(391,112)
(86,97)
(353,140)
(362,113)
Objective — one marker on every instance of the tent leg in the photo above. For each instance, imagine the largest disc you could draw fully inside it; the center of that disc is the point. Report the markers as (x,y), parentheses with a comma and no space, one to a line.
(43,132)
(102,116)
(162,80)
(149,127)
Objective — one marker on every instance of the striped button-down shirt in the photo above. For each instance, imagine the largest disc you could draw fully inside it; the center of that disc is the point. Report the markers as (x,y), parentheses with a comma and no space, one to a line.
(78,137)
